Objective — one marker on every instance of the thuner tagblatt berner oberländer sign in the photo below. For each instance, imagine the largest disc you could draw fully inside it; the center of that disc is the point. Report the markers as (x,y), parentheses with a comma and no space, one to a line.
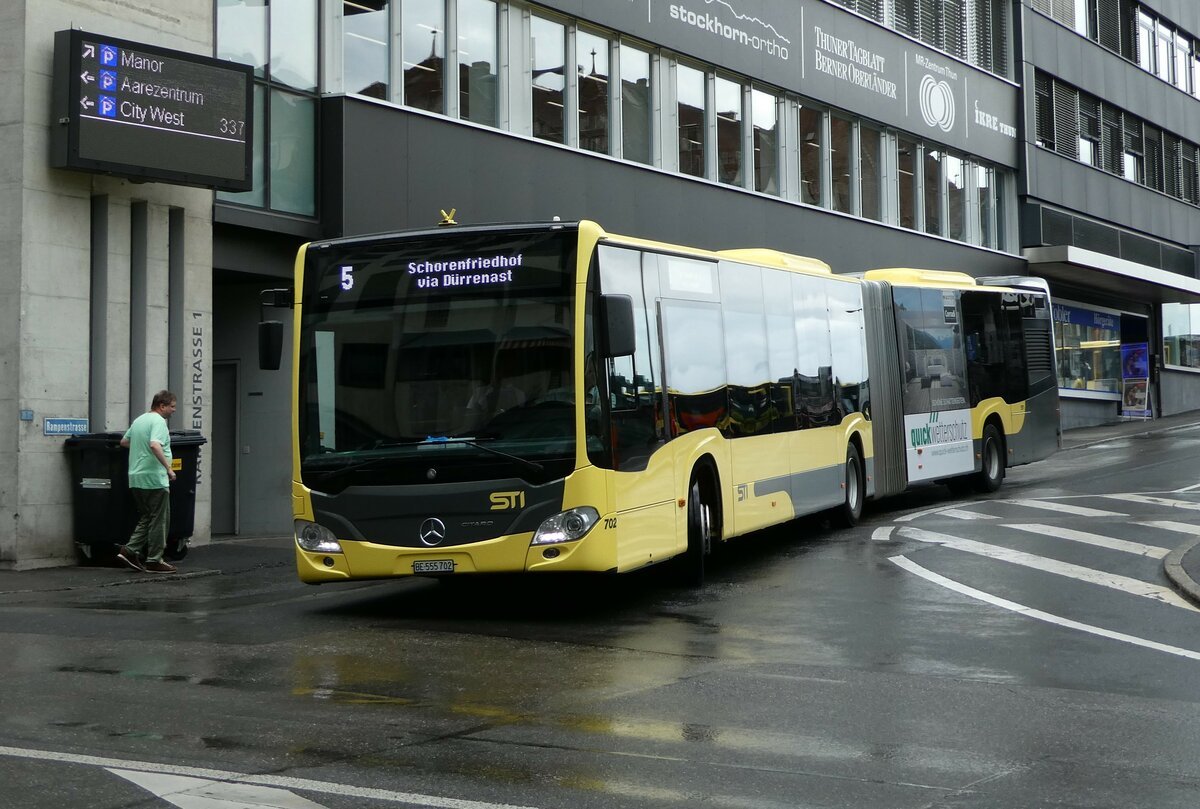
(149,113)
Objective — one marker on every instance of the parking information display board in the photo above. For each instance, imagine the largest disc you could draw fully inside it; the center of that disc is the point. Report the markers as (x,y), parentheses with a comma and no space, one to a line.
(150,113)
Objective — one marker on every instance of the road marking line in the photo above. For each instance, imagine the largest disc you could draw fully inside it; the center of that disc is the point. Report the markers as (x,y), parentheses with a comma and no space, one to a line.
(950,584)
(1178,527)
(1157,501)
(1065,508)
(916,515)
(199,793)
(961,514)
(1098,540)
(282,781)
(1111,580)
(882,534)
(1187,489)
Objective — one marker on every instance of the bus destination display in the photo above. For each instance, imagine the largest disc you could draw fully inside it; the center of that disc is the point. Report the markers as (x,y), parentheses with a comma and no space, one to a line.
(151,113)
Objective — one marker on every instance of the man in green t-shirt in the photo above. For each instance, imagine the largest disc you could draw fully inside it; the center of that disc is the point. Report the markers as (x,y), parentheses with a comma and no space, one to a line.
(150,476)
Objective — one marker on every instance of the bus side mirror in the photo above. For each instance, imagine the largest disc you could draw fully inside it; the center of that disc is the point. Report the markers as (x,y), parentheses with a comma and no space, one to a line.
(616,326)
(270,344)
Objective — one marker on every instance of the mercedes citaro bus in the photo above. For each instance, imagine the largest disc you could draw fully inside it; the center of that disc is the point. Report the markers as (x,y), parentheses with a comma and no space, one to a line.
(552,397)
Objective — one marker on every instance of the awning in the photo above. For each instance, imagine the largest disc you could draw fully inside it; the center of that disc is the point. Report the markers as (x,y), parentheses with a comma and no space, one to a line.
(1116,276)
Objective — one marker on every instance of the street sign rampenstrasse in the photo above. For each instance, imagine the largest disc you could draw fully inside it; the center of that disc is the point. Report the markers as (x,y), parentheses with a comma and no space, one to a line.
(151,113)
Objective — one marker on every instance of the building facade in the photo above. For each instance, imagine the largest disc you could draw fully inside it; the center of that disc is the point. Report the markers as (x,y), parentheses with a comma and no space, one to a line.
(994,137)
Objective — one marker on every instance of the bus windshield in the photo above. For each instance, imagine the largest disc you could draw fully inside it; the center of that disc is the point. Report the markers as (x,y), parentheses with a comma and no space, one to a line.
(445,354)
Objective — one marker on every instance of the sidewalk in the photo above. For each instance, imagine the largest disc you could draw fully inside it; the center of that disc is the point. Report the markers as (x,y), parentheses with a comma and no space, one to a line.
(226,557)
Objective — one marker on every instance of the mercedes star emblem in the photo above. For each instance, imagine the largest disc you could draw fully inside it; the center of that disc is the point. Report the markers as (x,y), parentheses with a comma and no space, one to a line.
(432,532)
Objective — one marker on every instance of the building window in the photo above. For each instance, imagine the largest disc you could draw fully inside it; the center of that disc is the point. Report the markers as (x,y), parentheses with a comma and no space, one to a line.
(1133,159)
(985,195)
(764,112)
(425,54)
(870,173)
(906,166)
(293,35)
(812,151)
(591,58)
(242,33)
(635,105)
(293,153)
(841,162)
(478,80)
(1181,335)
(956,197)
(690,115)
(549,51)
(729,131)
(280,41)
(1089,130)
(933,191)
(365,47)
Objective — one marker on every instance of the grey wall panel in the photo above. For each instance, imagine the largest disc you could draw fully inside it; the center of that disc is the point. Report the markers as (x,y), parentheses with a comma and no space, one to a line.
(1067,183)
(1183,13)
(400,168)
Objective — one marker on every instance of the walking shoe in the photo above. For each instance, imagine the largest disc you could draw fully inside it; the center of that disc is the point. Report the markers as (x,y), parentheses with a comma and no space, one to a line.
(159,567)
(129,558)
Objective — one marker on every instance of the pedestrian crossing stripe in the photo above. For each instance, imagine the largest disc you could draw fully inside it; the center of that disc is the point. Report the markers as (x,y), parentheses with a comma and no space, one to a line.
(1099,540)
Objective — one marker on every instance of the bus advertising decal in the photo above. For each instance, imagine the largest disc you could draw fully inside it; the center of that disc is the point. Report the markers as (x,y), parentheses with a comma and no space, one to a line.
(939,444)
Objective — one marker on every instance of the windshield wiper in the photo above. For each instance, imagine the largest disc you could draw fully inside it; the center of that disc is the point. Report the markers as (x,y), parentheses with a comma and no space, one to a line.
(475,442)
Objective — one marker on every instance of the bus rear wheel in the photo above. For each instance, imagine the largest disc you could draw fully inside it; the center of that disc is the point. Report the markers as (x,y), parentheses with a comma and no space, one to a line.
(991,475)
(850,511)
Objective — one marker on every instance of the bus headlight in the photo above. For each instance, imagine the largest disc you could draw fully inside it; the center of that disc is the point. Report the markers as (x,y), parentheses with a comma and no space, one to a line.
(567,526)
(316,538)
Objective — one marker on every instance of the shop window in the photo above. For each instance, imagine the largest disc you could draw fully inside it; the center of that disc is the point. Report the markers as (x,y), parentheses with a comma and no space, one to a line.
(729,131)
(548,48)
(690,114)
(764,112)
(591,58)
(985,194)
(365,47)
(424,54)
(956,198)
(478,80)
(1088,343)
(635,105)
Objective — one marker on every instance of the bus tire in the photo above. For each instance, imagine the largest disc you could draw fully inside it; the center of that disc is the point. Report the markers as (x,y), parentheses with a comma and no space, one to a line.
(699,536)
(991,473)
(850,511)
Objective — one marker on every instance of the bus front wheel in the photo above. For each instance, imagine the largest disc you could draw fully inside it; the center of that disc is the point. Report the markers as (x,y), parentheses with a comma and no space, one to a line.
(850,511)
(991,475)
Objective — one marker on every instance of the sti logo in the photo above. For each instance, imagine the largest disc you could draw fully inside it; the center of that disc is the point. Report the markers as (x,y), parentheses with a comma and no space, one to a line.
(108,55)
(507,501)
(107,107)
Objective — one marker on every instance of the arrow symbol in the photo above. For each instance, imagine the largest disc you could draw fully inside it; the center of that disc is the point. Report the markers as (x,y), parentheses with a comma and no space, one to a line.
(86,103)
(195,793)
(87,77)
(89,50)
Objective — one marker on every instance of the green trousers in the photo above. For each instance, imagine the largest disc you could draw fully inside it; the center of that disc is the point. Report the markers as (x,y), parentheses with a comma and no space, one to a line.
(149,538)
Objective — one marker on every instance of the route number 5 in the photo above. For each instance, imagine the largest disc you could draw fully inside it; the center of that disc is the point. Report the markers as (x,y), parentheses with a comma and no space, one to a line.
(347,278)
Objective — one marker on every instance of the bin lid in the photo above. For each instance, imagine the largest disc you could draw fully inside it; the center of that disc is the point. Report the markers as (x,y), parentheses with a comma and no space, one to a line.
(94,439)
(187,438)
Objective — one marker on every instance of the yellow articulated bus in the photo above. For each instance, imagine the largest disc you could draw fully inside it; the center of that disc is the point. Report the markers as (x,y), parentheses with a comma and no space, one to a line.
(551,397)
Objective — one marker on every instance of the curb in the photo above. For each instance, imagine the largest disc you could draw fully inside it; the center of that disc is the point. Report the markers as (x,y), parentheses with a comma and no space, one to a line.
(1173,567)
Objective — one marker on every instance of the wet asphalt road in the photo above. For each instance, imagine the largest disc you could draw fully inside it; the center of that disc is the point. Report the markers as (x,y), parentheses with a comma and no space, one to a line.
(813,670)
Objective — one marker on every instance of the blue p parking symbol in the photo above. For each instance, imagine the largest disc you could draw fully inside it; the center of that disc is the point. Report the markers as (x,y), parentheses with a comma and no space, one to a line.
(108,107)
